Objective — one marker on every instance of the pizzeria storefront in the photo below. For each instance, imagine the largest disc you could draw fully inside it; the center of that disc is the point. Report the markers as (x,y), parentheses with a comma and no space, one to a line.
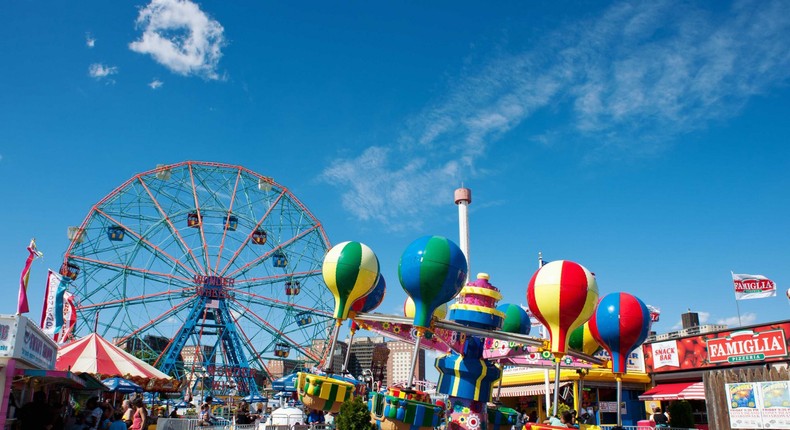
(709,370)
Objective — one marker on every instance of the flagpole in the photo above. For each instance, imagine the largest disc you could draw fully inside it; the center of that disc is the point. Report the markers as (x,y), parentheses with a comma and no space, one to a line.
(737,306)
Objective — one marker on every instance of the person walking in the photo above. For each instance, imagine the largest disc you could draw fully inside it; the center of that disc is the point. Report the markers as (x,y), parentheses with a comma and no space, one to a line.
(140,414)
(660,419)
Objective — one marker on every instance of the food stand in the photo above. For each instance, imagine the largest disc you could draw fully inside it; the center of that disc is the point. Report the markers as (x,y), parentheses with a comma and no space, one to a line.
(23,348)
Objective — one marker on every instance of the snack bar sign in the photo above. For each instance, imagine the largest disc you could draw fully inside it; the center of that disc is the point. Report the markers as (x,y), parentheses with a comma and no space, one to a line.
(746,346)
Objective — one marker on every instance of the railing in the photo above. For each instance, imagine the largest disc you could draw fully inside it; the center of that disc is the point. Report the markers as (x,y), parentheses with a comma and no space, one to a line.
(643,427)
(193,424)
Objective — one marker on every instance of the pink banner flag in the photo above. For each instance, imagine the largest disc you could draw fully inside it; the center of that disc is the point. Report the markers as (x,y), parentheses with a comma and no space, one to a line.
(752,286)
(22,306)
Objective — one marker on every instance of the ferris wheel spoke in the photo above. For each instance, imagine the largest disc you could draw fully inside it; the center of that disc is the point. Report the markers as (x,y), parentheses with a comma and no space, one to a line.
(142,299)
(227,220)
(249,313)
(149,245)
(245,268)
(268,280)
(254,355)
(200,220)
(249,236)
(156,320)
(181,242)
(272,302)
(142,272)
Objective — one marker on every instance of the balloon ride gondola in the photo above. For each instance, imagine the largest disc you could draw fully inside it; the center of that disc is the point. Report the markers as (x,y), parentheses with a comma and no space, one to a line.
(431,271)
(562,295)
(185,267)
(620,324)
(350,271)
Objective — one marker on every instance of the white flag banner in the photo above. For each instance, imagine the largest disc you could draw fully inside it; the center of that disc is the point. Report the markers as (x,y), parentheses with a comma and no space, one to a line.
(655,313)
(752,286)
(48,313)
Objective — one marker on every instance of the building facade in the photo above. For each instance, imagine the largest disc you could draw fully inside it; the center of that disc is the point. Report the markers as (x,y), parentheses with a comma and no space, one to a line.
(399,363)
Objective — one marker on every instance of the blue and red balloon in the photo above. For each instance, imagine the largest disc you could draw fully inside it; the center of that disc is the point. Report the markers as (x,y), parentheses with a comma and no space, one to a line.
(620,324)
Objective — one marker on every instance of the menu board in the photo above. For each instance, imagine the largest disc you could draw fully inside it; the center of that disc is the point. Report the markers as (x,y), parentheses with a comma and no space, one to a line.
(759,405)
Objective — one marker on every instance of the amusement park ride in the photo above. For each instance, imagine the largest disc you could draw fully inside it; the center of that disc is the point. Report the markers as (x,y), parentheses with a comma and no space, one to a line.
(227,264)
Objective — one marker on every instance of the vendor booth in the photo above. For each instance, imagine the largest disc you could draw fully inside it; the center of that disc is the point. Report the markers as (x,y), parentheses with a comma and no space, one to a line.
(712,370)
(26,350)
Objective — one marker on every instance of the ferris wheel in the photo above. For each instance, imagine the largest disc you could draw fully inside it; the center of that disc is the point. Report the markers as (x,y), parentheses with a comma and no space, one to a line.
(208,271)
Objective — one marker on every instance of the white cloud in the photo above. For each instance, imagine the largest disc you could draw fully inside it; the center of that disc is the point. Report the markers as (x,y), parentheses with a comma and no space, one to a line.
(100,71)
(181,37)
(631,80)
(90,41)
(745,319)
(155,84)
(383,189)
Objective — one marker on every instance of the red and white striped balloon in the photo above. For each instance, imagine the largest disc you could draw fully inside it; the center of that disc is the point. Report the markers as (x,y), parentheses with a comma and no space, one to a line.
(562,295)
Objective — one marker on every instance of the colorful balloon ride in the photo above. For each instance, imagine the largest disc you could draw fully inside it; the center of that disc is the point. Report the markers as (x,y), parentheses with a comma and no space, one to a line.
(620,324)
(432,271)
(351,271)
(562,295)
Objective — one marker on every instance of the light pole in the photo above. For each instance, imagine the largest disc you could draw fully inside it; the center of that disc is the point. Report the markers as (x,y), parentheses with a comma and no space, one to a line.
(232,393)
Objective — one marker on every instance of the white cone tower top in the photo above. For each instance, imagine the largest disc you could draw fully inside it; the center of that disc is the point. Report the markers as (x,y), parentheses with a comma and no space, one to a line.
(463,198)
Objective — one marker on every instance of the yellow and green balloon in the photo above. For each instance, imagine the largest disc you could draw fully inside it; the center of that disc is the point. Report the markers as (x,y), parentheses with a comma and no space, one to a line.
(350,272)
(582,340)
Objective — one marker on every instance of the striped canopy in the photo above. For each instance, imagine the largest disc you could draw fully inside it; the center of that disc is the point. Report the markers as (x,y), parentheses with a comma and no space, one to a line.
(95,355)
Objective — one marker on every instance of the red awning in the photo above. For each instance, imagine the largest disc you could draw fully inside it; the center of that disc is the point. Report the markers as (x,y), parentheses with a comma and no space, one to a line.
(676,391)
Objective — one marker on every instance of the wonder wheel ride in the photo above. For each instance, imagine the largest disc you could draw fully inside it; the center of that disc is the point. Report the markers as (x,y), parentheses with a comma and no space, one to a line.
(206,270)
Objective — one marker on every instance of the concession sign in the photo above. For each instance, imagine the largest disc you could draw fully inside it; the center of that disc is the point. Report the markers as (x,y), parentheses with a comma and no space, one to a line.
(744,346)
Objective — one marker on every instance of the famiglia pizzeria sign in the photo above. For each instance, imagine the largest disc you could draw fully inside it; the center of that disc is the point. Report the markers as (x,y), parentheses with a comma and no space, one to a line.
(746,345)
(760,343)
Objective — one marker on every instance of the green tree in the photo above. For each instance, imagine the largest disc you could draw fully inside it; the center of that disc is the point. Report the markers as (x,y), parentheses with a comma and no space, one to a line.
(680,414)
(354,415)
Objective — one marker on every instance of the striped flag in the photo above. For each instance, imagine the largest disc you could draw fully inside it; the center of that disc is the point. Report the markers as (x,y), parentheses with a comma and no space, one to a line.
(49,311)
(22,306)
(752,286)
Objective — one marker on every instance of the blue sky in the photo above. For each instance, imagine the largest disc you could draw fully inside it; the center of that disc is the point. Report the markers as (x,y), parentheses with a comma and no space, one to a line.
(647,142)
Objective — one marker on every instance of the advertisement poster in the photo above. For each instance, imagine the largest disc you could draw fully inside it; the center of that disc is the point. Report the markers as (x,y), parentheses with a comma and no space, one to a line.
(752,345)
(743,402)
(665,354)
(776,404)
(635,362)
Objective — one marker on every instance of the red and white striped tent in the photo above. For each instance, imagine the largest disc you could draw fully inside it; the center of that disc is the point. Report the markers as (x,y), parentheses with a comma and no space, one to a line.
(95,355)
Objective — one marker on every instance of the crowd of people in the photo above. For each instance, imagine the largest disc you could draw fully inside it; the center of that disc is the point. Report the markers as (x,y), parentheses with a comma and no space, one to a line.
(93,415)
(567,419)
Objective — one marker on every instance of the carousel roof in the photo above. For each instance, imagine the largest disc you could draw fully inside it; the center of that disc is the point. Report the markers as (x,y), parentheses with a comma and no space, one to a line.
(94,354)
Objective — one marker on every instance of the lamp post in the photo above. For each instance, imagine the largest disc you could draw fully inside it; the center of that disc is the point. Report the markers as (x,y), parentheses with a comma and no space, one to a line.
(582,373)
(232,393)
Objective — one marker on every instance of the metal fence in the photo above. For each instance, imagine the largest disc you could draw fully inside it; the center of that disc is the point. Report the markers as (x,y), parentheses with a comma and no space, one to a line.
(612,426)
(193,424)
